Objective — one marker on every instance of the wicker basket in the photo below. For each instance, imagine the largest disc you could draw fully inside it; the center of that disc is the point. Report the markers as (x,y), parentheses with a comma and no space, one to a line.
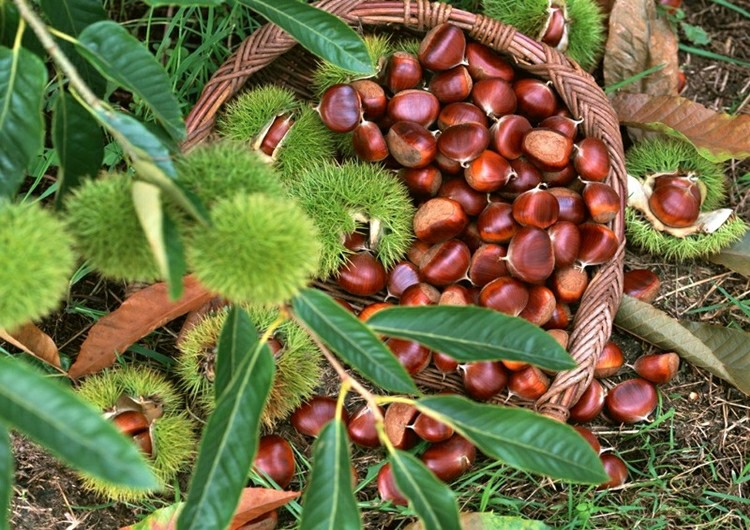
(269,55)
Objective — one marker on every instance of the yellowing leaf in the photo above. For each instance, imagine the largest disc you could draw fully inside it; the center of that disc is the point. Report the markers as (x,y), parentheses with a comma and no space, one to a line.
(33,341)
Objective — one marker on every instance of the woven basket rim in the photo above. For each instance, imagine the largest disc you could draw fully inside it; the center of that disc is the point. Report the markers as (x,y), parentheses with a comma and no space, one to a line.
(578,90)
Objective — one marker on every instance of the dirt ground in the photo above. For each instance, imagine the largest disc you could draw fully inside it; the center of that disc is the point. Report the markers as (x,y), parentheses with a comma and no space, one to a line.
(708,411)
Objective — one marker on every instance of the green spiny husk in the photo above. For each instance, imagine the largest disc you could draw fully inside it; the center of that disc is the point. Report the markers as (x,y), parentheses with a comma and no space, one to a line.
(407,45)
(307,143)
(38,259)
(258,249)
(250,112)
(298,368)
(328,74)
(332,193)
(104,223)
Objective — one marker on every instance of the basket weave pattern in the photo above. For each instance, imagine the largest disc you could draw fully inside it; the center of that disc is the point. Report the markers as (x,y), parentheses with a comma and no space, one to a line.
(269,44)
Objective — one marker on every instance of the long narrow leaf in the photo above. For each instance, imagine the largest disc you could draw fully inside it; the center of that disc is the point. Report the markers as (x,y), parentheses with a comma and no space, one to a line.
(521,438)
(22,80)
(433,500)
(6,476)
(237,340)
(469,333)
(229,443)
(351,340)
(320,32)
(54,417)
(329,502)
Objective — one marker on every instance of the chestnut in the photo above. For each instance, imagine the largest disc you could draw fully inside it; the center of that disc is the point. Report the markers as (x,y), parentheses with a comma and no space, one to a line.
(483,379)
(340,108)
(361,427)
(275,458)
(610,360)
(362,275)
(420,294)
(642,284)
(561,336)
(456,294)
(398,418)
(439,219)
(356,241)
(487,264)
(417,250)
(412,355)
(387,487)
(488,172)
(484,63)
(448,165)
(275,134)
(599,244)
(451,86)
(536,100)
(372,95)
(529,383)
(144,443)
(422,182)
(547,149)
(430,429)
(530,257)
(569,284)
(371,309)
(471,236)
(591,159)
(590,404)
(616,469)
(555,28)
(471,200)
(494,96)
(560,177)
(602,201)
(461,112)
(527,177)
(403,275)
(442,48)
(275,346)
(450,459)
(506,295)
(536,207)
(443,362)
(571,205)
(369,143)
(463,142)
(560,318)
(675,205)
(562,124)
(507,135)
(514,366)
(402,72)
(659,368)
(131,422)
(540,306)
(311,416)
(590,437)
(414,105)
(566,243)
(445,263)
(631,401)
(410,144)
(496,223)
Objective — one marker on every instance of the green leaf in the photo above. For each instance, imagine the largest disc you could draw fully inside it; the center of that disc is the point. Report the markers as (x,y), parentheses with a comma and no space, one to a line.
(322,33)
(735,257)
(162,235)
(237,340)
(432,499)
(79,142)
(23,77)
(695,34)
(489,521)
(184,3)
(9,19)
(123,59)
(329,502)
(6,476)
(230,440)
(70,428)
(469,333)
(520,438)
(352,340)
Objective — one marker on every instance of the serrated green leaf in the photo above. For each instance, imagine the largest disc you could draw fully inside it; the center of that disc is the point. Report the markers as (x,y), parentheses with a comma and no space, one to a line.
(520,438)
(352,341)
(9,19)
(433,500)
(79,142)
(123,59)
(22,81)
(6,476)
(322,33)
(469,333)
(329,502)
(237,340)
(490,521)
(230,440)
(68,427)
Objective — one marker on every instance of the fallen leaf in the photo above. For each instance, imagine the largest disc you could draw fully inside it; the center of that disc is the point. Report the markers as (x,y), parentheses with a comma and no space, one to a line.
(717,137)
(490,521)
(639,39)
(33,341)
(724,352)
(139,315)
(194,317)
(735,257)
(161,519)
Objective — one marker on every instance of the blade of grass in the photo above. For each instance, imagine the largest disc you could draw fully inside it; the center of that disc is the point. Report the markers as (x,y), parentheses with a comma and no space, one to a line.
(633,78)
(714,56)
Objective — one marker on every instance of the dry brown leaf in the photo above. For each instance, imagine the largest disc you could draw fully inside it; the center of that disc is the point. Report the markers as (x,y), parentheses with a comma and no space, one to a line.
(255,502)
(138,316)
(639,39)
(718,137)
(33,341)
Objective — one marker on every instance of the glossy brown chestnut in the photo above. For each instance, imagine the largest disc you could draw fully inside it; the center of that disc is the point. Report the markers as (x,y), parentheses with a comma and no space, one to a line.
(675,205)
(362,275)
(610,361)
(422,183)
(496,223)
(540,306)
(555,29)
(471,200)
(659,368)
(506,295)
(372,95)
(275,458)
(494,96)
(569,284)
(642,284)
(447,165)
(536,99)
(387,488)
(371,309)
(442,48)
(590,404)
(276,133)
(562,124)
(340,108)
(530,256)
(452,85)
(361,427)
(131,422)
(530,383)
(471,236)
(417,250)
(369,143)
(560,317)
(484,63)
(402,276)
(356,241)
(439,219)
(463,142)
(430,429)
(562,177)
(507,135)
(536,207)
(514,366)
(398,419)
(527,177)
(547,149)
(312,415)
(403,72)
(410,144)
(456,294)
(599,244)
(566,242)
(591,159)
(602,201)
(590,437)
(488,172)
(445,263)
(412,355)
(631,401)
(418,106)
(561,336)
(420,294)
(571,205)
(483,379)
(616,469)
(450,459)
(444,363)
(487,264)
(461,112)
(144,443)
(275,346)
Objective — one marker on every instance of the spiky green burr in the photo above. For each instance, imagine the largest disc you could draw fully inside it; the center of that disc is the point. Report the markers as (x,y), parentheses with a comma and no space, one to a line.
(328,74)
